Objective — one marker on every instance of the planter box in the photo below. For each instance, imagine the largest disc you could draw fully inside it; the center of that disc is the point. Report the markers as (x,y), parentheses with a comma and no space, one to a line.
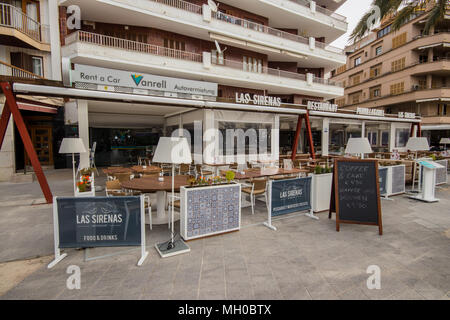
(210,210)
(395,180)
(87,193)
(321,191)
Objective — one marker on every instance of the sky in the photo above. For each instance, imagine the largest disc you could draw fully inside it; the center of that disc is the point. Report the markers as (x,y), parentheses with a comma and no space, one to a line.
(353,10)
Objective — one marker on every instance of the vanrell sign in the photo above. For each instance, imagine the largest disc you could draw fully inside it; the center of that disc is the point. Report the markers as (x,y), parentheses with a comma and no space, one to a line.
(140,81)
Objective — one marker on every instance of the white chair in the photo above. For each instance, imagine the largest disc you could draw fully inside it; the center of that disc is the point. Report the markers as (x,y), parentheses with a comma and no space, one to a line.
(92,156)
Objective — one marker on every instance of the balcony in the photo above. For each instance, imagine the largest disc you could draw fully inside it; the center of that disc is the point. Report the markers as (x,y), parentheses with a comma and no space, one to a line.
(186,18)
(109,52)
(317,20)
(17,29)
(414,95)
(11,73)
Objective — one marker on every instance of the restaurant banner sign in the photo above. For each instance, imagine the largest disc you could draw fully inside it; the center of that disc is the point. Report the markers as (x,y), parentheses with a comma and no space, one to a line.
(140,82)
(288,196)
(88,222)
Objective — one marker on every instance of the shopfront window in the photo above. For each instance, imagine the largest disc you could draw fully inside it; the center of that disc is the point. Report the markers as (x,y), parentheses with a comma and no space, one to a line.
(401,137)
(238,138)
(340,134)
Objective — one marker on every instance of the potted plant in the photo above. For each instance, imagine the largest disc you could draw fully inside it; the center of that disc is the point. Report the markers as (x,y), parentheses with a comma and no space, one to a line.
(230,176)
(322,179)
(86,186)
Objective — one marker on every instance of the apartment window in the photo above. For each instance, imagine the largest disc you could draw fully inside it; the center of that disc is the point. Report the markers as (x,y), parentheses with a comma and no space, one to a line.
(216,57)
(399,40)
(357,61)
(378,50)
(375,71)
(252,64)
(423,58)
(397,88)
(356,79)
(340,102)
(422,84)
(174,44)
(384,32)
(341,69)
(398,65)
(355,98)
(375,92)
(38,65)
(442,109)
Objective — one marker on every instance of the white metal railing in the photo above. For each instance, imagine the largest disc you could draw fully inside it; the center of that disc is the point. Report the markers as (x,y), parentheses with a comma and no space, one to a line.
(13,17)
(118,43)
(7,69)
(307,3)
(183,5)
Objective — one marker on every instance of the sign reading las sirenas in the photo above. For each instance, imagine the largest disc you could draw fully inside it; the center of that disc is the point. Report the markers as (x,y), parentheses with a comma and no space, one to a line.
(258,100)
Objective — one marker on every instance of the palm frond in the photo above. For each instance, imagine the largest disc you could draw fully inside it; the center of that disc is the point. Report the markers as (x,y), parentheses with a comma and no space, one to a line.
(403,16)
(436,15)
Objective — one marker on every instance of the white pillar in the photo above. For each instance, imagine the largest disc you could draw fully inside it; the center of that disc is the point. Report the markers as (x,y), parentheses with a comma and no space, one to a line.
(210,143)
(83,131)
(55,44)
(7,151)
(325,136)
(363,129)
(392,137)
(276,138)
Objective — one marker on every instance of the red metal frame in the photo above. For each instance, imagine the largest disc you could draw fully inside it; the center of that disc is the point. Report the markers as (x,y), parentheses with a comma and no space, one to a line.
(308,134)
(11,107)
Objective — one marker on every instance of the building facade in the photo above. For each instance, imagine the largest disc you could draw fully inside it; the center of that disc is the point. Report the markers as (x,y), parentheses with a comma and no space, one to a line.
(274,49)
(29,49)
(401,72)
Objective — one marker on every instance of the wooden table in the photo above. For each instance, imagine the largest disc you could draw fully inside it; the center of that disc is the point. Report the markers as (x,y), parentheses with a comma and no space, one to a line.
(147,170)
(216,167)
(112,171)
(153,185)
(250,174)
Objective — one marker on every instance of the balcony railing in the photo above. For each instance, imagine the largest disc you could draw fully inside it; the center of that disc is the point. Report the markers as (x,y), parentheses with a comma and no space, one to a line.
(320,9)
(12,17)
(187,6)
(7,69)
(117,43)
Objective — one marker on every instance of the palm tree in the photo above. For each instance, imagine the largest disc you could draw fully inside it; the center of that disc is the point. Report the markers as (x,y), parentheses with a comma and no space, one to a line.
(392,8)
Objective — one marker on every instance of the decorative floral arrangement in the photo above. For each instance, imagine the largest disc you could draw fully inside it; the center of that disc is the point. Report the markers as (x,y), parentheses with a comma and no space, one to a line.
(86,171)
(319,170)
(230,176)
(84,185)
(202,181)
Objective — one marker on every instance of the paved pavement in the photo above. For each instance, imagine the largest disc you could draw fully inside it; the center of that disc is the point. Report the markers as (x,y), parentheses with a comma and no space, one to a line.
(303,259)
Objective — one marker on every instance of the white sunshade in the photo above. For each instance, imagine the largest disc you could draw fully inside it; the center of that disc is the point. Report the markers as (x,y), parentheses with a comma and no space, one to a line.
(172,150)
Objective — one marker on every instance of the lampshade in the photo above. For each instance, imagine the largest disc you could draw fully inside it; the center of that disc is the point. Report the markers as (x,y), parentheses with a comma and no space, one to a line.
(445,141)
(72,145)
(358,146)
(172,150)
(418,144)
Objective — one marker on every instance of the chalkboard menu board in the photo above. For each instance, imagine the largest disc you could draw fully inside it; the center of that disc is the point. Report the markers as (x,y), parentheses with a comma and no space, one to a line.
(99,222)
(355,195)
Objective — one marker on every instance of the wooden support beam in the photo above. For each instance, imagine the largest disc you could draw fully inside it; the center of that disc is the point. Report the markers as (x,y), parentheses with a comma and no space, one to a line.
(11,105)
(309,135)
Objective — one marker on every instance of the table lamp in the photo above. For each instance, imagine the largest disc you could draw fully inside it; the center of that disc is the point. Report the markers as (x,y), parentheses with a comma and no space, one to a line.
(417,144)
(174,151)
(358,146)
(445,142)
(72,145)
